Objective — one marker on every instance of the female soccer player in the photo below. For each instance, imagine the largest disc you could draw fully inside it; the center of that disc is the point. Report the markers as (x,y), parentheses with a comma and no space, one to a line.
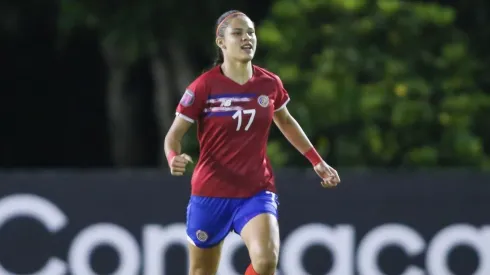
(233,187)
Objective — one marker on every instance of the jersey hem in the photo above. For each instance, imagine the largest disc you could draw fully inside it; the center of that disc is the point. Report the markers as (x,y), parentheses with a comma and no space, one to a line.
(238,195)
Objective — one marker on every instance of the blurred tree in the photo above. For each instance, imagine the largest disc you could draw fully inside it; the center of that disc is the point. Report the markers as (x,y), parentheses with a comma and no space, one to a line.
(121,44)
(378,83)
(163,31)
(474,17)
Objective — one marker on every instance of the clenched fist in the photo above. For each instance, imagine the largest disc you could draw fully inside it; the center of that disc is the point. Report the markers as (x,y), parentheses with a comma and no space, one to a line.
(178,163)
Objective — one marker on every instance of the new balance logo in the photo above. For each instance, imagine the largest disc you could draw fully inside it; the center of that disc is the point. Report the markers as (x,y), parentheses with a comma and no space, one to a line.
(226,103)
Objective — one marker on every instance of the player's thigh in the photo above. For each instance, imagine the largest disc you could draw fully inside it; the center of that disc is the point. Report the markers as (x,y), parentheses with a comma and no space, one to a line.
(204,261)
(209,221)
(261,236)
(258,226)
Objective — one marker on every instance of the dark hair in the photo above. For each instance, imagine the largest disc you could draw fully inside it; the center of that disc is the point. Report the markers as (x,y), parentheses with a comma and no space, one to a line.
(221,25)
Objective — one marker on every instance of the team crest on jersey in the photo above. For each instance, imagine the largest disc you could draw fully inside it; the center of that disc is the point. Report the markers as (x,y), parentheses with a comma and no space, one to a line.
(263,100)
(201,235)
(187,99)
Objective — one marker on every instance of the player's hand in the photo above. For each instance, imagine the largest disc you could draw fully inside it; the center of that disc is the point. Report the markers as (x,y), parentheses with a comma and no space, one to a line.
(178,164)
(330,177)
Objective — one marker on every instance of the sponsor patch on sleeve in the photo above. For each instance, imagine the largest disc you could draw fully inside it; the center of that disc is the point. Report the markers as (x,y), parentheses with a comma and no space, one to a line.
(187,99)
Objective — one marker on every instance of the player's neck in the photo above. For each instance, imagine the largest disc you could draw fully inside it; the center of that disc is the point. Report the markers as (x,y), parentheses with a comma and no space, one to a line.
(237,71)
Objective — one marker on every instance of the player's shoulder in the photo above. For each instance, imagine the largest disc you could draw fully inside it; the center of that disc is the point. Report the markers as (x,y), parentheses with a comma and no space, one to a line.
(265,73)
(203,78)
(201,82)
(209,74)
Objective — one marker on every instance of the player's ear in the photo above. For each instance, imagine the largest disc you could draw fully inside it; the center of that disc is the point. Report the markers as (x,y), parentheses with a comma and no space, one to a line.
(220,42)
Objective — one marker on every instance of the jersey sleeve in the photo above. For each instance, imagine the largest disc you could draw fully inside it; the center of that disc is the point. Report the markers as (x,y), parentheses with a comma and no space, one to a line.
(282,96)
(193,101)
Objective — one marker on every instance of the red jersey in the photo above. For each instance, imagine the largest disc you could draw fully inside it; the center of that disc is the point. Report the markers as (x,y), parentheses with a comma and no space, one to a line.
(233,123)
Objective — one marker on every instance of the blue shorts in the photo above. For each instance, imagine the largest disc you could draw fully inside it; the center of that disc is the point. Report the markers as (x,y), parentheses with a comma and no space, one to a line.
(209,220)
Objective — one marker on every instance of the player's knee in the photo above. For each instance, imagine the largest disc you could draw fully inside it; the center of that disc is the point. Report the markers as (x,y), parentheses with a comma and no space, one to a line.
(264,261)
(266,266)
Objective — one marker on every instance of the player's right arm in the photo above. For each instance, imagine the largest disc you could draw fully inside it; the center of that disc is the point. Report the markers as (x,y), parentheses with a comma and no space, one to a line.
(188,111)
(176,160)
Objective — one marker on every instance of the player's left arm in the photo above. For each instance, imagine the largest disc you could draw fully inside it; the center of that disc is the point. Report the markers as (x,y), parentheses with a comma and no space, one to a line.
(293,132)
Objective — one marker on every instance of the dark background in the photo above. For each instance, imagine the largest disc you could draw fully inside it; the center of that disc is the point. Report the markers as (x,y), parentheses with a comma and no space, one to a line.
(53,94)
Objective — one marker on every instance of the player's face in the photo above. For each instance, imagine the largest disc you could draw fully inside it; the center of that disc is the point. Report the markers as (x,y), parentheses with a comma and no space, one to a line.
(240,41)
